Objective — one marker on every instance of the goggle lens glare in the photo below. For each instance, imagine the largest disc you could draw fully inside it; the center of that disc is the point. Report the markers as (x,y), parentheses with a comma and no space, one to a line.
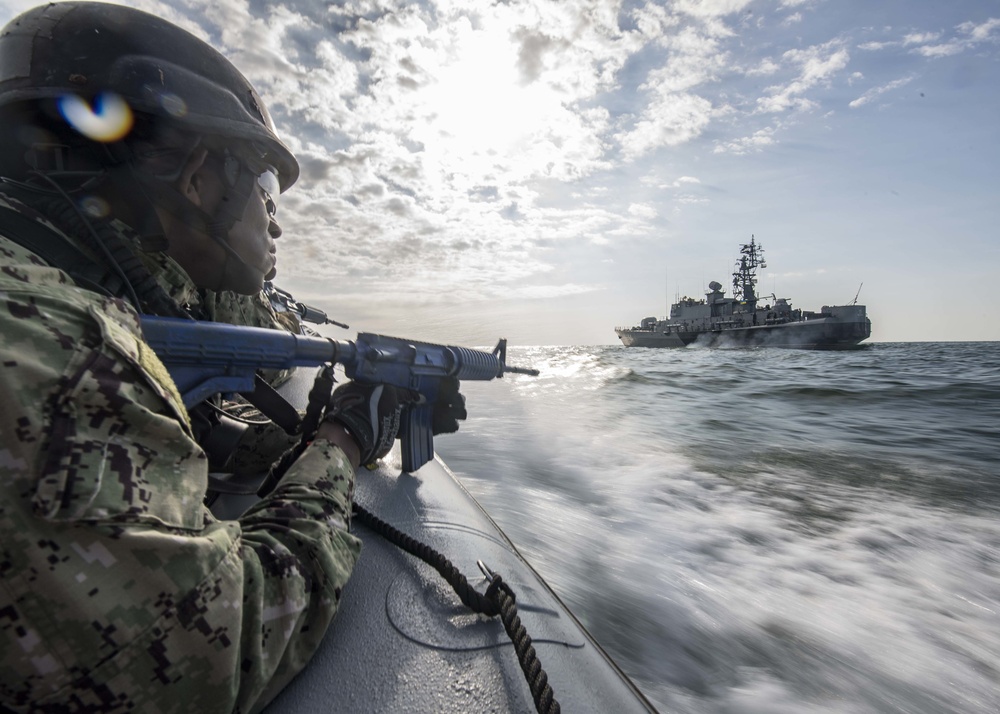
(268,181)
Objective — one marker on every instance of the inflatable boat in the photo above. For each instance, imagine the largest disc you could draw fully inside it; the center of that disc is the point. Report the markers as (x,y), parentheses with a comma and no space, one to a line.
(403,641)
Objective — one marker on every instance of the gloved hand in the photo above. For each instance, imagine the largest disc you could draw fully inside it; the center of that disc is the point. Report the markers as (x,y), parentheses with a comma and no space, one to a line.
(449,408)
(370,412)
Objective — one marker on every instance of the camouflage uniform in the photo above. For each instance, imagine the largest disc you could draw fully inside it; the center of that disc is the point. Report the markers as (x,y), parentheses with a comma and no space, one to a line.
(262,441)
(119,591)
(252,311)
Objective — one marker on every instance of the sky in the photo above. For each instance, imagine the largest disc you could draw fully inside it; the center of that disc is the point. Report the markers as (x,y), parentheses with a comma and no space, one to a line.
(549,170)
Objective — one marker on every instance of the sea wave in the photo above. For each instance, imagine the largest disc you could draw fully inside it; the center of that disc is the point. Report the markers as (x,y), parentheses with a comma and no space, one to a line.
(761,530)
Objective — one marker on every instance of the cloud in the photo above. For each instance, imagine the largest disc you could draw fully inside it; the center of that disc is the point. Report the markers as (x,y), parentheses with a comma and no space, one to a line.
(688,198)
(440,123)
(642,210)
(983,32)
(919,38)
(816,66)
(968,35)
(428,134)
(943,50)
(766,67)
(671,120)
(493,81)
(680,182)
(675,113)
(748,144)
(535,292)
(876,92)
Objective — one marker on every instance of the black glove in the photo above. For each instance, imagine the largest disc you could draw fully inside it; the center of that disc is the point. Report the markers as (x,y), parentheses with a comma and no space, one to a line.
(370,412)
(449,409)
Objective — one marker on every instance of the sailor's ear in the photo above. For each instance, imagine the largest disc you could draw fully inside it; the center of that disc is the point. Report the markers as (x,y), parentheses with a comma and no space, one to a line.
(191,182)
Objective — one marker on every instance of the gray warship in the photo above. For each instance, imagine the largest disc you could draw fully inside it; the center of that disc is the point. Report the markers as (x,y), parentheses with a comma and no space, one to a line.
(719,321)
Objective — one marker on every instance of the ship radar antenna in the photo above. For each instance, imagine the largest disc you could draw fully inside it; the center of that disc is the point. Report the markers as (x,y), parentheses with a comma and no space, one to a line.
(745,277)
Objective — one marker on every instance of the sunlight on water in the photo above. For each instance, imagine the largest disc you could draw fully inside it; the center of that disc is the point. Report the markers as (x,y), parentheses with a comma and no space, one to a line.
(759,531)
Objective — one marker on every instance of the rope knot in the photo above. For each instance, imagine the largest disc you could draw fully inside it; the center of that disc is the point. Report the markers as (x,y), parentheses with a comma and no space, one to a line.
(496,586)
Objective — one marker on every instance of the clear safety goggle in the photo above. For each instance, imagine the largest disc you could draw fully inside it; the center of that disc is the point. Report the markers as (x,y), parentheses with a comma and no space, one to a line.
(233,165)
(266,176)
(267,179)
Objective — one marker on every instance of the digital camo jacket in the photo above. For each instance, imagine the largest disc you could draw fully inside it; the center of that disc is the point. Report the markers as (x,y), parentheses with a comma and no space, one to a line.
(252,311)
(262,442)
(119,591)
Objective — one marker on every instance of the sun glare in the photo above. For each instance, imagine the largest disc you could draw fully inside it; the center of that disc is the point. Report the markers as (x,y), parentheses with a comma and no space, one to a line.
(481,109)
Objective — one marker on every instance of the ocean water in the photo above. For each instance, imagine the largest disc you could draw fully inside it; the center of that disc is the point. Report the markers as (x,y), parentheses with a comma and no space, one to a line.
(760,531)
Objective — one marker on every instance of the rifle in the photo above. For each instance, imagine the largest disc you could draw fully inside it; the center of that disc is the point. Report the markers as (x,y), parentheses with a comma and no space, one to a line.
(283,300)
(206,358)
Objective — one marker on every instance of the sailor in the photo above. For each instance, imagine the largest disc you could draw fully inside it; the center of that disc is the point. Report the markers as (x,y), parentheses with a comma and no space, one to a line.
(138,166)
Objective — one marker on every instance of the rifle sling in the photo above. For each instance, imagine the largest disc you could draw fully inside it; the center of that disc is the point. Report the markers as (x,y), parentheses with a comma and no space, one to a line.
(274,406)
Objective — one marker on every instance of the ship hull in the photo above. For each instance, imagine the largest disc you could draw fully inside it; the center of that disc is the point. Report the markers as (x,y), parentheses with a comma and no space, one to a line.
(824,334)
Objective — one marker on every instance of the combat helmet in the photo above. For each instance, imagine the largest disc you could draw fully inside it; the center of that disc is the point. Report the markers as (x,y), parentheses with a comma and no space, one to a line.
(89,48)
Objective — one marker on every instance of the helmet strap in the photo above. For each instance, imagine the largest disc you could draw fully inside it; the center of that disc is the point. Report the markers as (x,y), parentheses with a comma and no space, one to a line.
(239,182)
(146,221)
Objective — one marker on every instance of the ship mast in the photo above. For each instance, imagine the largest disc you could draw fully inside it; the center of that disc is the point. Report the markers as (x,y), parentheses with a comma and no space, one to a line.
(745,277)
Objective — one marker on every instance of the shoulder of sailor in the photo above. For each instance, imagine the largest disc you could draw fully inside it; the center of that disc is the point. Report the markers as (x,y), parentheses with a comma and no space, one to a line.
(170,276)
(21,264)
(69,321)
(18,264)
